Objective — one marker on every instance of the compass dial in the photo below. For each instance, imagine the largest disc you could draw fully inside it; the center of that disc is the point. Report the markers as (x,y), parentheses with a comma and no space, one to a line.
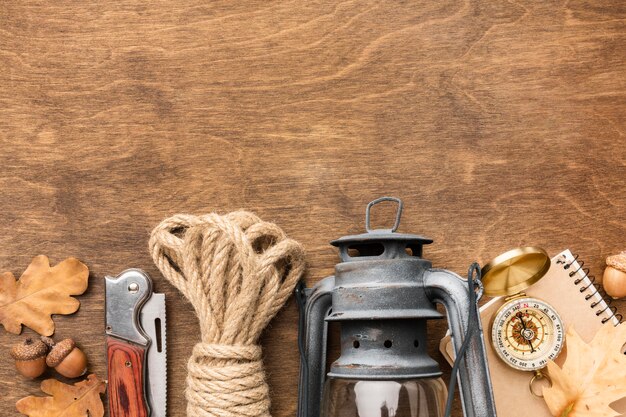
(526,333)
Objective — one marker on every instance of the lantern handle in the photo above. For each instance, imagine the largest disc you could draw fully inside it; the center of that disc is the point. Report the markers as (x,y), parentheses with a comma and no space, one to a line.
(380,200)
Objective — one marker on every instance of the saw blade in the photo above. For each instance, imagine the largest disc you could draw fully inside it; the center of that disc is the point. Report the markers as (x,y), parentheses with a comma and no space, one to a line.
(154,324)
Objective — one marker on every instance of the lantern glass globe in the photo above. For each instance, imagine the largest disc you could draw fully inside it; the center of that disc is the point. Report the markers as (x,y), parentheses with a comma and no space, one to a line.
(424,397)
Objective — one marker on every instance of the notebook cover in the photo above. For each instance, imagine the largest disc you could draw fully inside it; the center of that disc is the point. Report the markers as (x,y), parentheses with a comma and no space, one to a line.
(510,386)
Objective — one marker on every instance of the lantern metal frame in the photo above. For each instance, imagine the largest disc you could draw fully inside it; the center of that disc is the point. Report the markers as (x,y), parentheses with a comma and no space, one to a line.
(383,293)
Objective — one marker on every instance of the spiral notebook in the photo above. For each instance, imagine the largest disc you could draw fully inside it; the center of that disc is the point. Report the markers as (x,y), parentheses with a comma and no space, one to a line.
(569,288)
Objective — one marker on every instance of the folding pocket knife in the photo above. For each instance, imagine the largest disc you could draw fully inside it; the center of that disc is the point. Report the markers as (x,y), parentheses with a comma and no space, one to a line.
(136,348)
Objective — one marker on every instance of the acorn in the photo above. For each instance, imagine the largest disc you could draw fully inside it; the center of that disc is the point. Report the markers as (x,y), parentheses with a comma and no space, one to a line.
(67,359)
(30,357)
(48,341)
(614,280)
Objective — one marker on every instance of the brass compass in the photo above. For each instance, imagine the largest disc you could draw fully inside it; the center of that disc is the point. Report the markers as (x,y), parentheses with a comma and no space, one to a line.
(526,332)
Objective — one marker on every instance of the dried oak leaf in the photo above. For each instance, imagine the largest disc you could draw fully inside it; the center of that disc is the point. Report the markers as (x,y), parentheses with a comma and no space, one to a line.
(593,375)
(40,292)
(79,400)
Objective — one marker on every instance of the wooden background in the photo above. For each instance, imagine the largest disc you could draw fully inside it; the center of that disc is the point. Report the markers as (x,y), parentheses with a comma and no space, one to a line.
(499,123)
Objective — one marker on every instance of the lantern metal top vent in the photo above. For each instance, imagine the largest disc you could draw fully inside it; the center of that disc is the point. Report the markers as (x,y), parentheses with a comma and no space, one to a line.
(383,293)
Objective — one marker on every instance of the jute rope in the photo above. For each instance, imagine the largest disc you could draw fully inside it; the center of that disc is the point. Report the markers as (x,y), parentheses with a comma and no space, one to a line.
(237,271)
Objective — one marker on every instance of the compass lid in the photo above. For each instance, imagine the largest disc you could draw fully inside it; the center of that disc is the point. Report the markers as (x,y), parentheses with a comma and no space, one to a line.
(514,271)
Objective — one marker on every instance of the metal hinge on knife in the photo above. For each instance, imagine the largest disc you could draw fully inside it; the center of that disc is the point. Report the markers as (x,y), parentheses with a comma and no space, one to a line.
(136,346)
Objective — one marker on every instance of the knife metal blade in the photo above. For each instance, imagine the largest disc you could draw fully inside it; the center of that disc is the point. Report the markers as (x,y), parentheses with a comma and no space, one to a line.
(153,321)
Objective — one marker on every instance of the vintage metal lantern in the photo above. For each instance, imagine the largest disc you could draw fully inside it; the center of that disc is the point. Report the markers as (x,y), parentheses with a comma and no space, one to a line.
(382,294)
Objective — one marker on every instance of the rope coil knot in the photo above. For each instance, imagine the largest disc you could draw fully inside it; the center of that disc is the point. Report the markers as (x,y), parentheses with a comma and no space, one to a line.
(227,380)
(247,353)
(237,271)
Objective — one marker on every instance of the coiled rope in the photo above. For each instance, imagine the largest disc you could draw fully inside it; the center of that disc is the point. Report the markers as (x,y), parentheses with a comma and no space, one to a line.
(237,271)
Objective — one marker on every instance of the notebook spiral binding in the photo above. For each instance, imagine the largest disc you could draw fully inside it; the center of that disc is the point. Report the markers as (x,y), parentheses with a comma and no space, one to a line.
(607,300)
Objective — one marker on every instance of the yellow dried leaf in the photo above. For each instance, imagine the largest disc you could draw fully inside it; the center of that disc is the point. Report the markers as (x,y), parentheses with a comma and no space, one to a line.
(593,375)
(78,400)
(40,292)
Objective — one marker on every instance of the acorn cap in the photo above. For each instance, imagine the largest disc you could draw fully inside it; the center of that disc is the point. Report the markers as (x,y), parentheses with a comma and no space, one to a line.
(617,261)
(28,350)
(48,341)
(59,352)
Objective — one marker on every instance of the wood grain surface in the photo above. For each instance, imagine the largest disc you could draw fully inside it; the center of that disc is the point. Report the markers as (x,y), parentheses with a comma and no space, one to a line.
(499,123)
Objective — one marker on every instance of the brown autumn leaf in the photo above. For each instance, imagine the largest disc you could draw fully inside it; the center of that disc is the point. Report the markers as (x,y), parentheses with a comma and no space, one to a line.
(40,292)
(78,400)
(593,375)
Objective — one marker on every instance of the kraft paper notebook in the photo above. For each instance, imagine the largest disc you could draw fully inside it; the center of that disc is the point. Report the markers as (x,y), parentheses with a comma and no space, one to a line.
(579,304)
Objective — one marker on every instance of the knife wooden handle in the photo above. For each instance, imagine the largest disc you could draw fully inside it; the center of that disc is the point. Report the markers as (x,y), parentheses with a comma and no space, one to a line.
(126,379)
